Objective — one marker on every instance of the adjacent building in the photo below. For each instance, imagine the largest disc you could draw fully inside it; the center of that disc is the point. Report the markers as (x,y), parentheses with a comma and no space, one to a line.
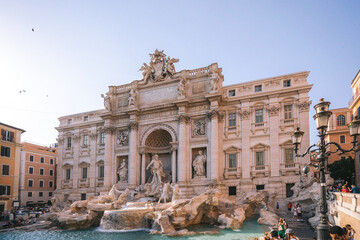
(354,106)
(237,136)
(37,174)
(10,143)
(338,132)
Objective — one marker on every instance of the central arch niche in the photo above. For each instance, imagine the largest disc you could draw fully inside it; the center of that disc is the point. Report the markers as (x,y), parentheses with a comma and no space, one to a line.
(158,142)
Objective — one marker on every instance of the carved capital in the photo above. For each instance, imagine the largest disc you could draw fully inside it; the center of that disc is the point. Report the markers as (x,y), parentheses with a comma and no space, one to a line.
(212,114)
(76,138)
(183,118)
(60,140)
(304,106)
(108,130)
(274,110)
(133,126)
(93,136)
(245,114)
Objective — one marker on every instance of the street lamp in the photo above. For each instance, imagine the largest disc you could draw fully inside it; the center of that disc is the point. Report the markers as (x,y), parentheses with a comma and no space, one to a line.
(321,118)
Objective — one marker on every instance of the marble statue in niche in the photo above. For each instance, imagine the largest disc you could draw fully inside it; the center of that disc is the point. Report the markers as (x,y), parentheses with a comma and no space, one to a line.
(122,138)
(199,165)
(199,127)
(122,171)
(156,170)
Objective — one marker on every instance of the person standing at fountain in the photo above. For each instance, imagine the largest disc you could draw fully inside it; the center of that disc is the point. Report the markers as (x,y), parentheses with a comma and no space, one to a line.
(156,169)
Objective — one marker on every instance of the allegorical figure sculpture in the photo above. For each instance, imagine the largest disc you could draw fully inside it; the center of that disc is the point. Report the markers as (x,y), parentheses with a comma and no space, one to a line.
(156,170)
(107,103)
(214,82)
(199,165)
(122,171)
(132,97)
(166,193)
(176,193)
(181,87)
(199,128)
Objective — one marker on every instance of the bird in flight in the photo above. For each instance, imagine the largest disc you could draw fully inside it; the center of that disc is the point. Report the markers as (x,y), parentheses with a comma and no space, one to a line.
(33,30)
(22,91)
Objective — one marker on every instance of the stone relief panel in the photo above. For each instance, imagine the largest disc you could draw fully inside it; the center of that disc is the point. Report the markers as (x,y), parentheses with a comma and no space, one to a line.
(122,101)
(198,87)
(158,95)
(157,115)
(198,128)
(199,108)
(122,138)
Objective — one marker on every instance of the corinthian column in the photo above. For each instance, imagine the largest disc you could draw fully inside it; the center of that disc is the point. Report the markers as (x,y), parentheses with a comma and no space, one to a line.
(182,161)
(133,154)
(108,156)
(214,145)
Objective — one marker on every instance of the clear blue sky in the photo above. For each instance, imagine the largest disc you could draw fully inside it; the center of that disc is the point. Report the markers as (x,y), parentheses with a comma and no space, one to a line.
(79,48)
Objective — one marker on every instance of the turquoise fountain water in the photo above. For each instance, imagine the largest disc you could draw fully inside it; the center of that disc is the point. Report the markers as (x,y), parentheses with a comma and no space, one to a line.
(249,230)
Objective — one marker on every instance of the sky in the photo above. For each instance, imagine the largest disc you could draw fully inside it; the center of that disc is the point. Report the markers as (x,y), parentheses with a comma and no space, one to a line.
(79,48)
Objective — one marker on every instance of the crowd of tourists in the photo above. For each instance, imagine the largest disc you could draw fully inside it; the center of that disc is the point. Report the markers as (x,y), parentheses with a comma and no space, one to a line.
(282,232)
(339,233)
(340,186)
(297,211)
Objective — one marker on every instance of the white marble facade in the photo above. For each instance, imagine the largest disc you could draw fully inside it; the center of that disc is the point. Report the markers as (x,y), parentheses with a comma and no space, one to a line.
(237,136)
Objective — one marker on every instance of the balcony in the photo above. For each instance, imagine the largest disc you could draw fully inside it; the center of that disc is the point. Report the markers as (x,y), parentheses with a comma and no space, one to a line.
(260,171)
(290,167)
(261,126)
(99,181)
(232,172)
(83,182)
(288,123)
(67,183)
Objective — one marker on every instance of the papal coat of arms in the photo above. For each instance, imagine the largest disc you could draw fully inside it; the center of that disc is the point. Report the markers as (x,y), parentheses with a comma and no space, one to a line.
(159,67)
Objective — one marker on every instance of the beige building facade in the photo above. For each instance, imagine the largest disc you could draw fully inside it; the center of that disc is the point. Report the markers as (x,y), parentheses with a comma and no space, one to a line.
(37,174)
(204,133)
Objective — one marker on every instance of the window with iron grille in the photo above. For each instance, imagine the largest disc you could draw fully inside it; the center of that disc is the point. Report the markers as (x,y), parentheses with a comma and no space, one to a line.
(232,191)
(260,158)
(232,160)
(340,120)
(288,112)
(259,116)
(232,119)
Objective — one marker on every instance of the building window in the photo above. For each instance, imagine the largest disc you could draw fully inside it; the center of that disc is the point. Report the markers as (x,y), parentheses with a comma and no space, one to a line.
(287,83)
(101,171)
(342,139)
(83,196)
(67,177)
(260,158)
(258,88)
(288,112)
(31,158)
(31,170)
(86,140)
(69,121)
(5,170)
(42,160)
(340,120)
(232,93)
(51,172)
(232,160)
(51,161)
(29,194)
(102,138)
(50,183)
(232,191)
(50,194)
(232,119)
(86,118)
(259,116)
(41,183)
(260,187)
(41,171)
(84,172)
(69,142)
(40,194)
(289,156)
(5,151)
(4,190)
(30,183)
(7,135)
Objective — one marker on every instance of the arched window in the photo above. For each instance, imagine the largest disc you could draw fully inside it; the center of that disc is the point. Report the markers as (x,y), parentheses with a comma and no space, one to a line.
(340,120)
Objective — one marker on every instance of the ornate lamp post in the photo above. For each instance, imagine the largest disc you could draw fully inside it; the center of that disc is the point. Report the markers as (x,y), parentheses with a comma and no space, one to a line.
(322,117)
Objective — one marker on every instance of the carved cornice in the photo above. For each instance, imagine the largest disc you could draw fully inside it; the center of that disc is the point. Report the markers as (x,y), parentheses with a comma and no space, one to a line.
(93,136)
(110,130)
(133,126)
(183,118)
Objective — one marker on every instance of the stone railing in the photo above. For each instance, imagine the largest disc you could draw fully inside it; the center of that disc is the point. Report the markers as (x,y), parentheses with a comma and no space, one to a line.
(290,167)
(346,210)
(232,172)
(99,181)
(199,72)
(67,183)
(83,182)
(260,170)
